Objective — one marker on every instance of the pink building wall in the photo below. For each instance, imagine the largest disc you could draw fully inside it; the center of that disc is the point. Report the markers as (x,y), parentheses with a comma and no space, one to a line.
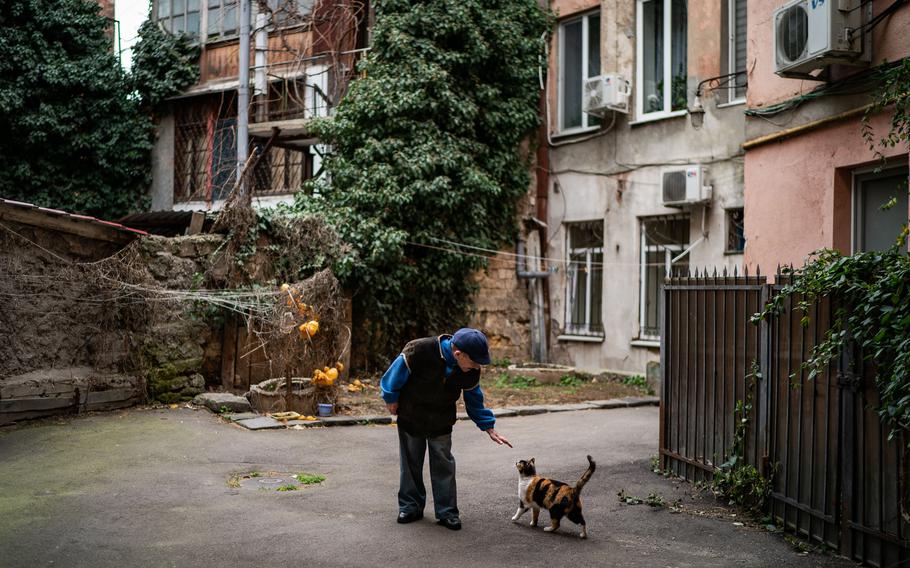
(890,41)
(798,193)
(798,190)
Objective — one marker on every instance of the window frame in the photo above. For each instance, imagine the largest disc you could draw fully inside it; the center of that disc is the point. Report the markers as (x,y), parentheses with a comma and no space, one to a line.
(859,176)
(570,328)
(586,119)
(670,250)
(640,115)
(186,11)
(728,214)
(731,55)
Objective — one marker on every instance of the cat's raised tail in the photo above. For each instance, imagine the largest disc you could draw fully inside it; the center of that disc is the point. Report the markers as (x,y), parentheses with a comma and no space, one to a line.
(586,475)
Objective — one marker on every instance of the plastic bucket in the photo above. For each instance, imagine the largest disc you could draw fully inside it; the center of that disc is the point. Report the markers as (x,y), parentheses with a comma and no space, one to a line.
(325,409)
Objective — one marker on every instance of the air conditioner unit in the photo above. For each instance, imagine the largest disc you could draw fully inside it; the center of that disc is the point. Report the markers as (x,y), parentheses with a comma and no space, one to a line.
(606,92)
(685,186)
(810,34)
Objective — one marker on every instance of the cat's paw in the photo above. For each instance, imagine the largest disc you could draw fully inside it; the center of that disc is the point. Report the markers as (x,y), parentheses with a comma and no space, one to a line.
(514,518)
(583,535)
(533,523)
(548,529)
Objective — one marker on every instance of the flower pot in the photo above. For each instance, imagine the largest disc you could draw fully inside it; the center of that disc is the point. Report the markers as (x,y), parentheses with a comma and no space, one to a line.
(325,409)
(272,396)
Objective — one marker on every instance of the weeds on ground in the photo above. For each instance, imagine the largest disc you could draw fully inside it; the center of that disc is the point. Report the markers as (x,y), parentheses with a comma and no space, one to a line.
(288,487)
(652,500)
(640,382)
(309,478)
(506,380)
(571,381)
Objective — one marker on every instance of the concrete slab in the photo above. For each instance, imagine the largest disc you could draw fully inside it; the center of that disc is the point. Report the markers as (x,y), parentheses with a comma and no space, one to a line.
(527,410)
(261,423)
(242,416)
(642,400)
(569,407)
(609,403)
(215,401)
(504,412)
(305,423)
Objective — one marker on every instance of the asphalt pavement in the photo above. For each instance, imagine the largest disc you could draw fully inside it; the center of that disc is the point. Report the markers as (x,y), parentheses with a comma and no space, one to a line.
(149,487)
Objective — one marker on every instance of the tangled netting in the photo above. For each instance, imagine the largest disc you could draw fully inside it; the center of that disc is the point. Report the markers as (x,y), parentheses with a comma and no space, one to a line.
(65,313)
(94,313)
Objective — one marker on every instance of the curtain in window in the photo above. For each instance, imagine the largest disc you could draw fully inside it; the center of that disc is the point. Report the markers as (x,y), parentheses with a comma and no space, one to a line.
(652,55)
(572,75)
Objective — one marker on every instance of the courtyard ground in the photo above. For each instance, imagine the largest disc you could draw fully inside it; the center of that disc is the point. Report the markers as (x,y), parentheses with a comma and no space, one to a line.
(151,487)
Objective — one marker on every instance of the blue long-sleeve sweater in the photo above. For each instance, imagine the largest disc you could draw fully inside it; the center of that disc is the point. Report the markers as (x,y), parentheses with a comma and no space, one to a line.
(397,375)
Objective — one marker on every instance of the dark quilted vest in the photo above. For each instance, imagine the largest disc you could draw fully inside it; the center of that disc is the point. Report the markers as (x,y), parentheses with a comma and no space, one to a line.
(426,404)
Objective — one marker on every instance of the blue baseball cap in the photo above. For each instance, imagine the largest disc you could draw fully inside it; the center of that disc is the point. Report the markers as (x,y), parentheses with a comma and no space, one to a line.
(474,343)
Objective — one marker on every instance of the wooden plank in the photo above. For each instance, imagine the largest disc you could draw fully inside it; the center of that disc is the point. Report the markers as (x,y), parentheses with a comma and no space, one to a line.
(66,224)
(228,353)
(35,404)
(196,222)
(242,360)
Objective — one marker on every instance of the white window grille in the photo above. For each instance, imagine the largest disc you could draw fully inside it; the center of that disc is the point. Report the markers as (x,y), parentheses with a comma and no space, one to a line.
(662,238)
(584,284)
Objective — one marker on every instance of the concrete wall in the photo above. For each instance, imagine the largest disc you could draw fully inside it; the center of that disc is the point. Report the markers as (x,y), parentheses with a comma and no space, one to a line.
(799,188)
(616,177)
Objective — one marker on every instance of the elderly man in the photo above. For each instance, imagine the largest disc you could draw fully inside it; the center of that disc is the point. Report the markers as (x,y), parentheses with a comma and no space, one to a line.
(422,386)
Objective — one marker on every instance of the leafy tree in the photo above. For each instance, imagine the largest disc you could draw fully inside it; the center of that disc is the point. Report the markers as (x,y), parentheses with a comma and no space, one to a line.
(163,64)
(428,146)
(73,137)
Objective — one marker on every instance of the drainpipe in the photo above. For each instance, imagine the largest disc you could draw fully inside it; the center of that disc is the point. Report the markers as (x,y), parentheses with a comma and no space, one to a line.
(536,297)
(243,93)
(260,83)
(522,260)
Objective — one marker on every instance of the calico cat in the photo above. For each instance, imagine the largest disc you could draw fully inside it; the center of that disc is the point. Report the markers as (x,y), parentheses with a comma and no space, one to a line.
(557,497)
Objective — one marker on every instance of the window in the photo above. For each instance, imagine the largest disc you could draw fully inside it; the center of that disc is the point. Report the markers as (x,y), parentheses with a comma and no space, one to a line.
(179,16)
(289,12)
(585,279)
(661,58)
(875,228)
(662,239)
(735,51)
(221,18)
(579,59)
(205,154)
(736,235)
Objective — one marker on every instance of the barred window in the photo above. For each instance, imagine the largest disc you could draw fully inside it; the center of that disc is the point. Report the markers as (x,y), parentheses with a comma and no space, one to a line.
(662,239)
(205,154)
(736,235)
(585,279)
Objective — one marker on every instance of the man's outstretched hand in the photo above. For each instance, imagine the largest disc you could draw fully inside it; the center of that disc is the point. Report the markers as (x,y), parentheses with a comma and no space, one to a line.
(393,408)
(494,435)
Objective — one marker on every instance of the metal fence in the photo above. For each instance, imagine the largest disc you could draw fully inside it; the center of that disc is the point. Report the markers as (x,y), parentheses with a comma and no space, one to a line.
(836,476)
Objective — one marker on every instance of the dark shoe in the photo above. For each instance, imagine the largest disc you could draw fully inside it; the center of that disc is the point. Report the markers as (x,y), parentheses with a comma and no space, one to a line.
(405,518)
(452,523)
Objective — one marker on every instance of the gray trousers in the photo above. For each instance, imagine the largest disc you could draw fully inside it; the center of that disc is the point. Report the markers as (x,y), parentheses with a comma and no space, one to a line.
(412,495)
